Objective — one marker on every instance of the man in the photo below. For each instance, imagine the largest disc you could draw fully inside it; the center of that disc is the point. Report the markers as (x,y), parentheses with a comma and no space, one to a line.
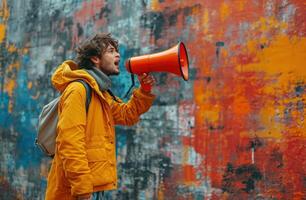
(85,159)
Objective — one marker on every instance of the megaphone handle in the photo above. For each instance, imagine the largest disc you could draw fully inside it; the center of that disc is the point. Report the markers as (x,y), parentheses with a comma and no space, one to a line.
(131,87)
(146,87)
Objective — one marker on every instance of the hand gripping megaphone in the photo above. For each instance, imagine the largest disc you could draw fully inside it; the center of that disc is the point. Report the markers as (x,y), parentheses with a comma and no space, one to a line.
(173,60)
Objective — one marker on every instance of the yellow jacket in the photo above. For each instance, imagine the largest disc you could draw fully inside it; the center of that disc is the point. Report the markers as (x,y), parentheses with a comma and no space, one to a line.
(85,159)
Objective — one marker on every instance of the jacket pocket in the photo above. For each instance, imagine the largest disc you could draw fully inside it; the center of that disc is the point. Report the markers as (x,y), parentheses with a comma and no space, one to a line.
(101,170)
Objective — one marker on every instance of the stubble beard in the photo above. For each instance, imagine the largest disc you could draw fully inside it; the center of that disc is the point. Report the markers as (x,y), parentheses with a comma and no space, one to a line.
(114,74)
(109,72)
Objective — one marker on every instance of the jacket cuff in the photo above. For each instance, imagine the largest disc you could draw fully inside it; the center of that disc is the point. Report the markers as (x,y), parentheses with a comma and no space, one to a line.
(84,186)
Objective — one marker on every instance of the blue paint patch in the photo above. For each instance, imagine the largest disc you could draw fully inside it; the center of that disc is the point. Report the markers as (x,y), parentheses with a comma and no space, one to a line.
(220,44)
(299,90)
(6,119)
(120,138)
(24,110)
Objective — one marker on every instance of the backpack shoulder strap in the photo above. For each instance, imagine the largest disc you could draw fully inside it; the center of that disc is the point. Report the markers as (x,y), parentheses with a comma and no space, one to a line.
(88,93)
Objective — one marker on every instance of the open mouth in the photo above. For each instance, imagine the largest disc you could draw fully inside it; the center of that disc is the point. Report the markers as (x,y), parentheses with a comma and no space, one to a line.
(117,62)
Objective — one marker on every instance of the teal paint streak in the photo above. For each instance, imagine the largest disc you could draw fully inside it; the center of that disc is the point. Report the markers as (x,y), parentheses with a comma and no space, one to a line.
(25,117)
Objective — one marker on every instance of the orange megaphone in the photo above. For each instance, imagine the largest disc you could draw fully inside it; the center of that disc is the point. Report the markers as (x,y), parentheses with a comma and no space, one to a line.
(173,60)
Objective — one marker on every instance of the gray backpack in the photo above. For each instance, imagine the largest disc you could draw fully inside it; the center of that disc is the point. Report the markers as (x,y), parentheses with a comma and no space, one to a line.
(47,123)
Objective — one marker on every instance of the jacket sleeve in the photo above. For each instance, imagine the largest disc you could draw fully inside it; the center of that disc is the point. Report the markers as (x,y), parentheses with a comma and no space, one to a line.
(129,113)
(70,140)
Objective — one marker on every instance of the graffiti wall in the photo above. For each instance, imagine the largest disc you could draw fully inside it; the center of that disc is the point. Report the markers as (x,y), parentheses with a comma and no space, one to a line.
(235,130)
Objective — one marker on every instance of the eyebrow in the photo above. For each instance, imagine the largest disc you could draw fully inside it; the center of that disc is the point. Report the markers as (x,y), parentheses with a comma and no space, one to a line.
(110,48)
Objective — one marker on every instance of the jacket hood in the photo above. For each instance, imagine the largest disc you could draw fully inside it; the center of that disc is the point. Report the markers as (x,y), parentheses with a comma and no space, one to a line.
(68,72)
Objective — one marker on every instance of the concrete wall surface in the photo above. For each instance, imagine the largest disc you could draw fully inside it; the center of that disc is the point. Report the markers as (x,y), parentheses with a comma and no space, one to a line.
(235,130)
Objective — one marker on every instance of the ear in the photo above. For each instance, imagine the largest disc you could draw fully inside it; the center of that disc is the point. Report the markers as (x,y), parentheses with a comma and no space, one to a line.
(95,60)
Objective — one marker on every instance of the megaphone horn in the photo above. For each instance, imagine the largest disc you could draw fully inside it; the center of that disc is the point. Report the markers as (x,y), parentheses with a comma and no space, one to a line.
(173,60)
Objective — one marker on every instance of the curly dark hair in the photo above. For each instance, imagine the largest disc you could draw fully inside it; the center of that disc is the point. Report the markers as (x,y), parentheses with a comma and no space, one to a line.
(94,46)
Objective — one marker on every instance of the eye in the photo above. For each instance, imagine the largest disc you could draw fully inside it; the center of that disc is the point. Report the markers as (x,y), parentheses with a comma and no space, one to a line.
(111,50)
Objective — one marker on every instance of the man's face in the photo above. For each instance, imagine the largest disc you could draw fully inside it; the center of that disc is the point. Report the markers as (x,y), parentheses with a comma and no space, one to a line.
(109,61)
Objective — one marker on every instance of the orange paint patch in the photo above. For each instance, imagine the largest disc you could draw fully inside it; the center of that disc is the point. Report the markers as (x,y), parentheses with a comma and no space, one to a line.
(4,11)
(2,32)
(224,11)
(155,5)
(283,55)
(30,84)
(268,115)
(189,173)
(11,83)
(241,106)
(10,86)
(11,48)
